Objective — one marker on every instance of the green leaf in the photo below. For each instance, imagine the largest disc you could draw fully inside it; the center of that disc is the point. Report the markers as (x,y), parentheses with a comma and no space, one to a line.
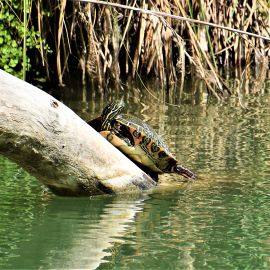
(13,23)
(14,44)
(13,62)
(8,38)
(10,17)
(5,50)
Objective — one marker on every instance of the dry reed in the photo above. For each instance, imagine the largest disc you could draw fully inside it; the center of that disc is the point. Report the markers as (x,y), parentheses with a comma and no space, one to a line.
(108,42)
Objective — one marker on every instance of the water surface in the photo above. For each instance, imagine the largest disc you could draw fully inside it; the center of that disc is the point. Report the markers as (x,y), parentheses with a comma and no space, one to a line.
(219,222)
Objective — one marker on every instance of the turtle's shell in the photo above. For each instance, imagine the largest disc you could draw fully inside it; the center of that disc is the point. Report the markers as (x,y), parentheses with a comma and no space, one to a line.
(140,142)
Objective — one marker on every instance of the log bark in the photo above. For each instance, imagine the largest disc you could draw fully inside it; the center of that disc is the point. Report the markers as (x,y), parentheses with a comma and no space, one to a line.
(55,145)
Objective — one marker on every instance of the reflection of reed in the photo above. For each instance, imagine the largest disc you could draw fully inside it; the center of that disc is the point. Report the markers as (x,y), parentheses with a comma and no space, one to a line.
(207,136)
(213,138)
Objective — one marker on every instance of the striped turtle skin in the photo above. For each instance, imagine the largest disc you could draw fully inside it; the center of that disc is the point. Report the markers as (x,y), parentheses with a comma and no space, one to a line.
(139,141)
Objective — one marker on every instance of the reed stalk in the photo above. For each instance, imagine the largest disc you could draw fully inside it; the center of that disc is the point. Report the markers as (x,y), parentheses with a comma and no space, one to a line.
(59,36)
(24,38)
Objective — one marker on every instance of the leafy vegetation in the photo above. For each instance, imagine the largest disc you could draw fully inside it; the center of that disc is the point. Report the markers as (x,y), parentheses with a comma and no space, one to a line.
(13,35)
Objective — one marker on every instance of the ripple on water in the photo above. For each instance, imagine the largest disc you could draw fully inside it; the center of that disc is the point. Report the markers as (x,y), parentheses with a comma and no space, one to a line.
(220,221)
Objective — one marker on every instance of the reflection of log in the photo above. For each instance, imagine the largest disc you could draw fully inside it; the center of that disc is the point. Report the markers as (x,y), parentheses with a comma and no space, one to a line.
(51,142)
(75,234)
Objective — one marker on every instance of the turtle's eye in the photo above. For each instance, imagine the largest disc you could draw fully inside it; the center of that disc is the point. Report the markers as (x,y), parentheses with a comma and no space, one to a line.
(117,126)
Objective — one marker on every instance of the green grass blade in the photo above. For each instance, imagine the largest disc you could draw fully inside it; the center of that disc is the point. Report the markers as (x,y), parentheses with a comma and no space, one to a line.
(24,38)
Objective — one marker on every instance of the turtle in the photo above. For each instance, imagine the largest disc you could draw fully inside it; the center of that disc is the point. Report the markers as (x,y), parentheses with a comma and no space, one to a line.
(138,141)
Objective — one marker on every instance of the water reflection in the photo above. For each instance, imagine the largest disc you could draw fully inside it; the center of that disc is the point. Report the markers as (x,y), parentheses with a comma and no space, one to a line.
(72,233)
(217,227)
(219,222)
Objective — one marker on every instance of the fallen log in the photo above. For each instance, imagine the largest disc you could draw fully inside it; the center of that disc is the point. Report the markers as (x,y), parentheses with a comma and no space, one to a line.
(55,145)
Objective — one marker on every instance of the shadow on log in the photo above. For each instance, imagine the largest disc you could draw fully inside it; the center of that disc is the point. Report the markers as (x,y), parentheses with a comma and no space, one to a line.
(55,145)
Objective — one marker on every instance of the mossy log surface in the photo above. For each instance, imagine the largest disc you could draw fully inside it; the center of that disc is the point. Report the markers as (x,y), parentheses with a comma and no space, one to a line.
(55,145)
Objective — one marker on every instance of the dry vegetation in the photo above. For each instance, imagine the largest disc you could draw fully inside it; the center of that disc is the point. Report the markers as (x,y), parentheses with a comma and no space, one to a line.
(107,43)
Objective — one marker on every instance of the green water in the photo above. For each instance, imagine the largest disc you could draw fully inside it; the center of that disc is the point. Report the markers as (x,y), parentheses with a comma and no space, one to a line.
(219,222)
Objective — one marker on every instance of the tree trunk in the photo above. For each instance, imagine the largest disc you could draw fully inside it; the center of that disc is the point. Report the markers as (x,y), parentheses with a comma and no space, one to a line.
(52,143)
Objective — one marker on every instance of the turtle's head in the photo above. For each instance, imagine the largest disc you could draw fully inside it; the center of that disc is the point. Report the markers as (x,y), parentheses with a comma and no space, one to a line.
(110,112)
(185,172)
